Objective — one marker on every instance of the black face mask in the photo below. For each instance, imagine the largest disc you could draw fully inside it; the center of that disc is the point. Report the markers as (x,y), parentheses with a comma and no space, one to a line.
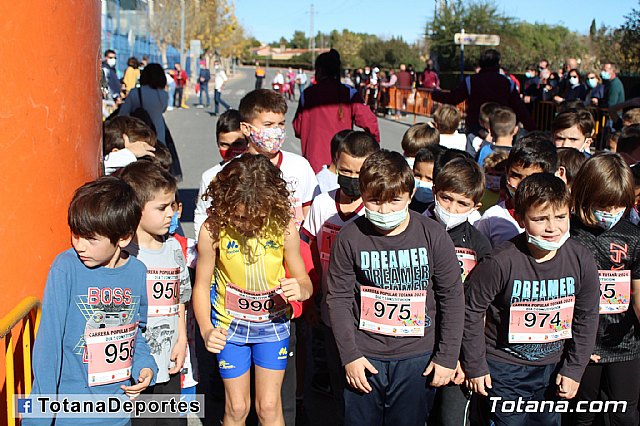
(349,186)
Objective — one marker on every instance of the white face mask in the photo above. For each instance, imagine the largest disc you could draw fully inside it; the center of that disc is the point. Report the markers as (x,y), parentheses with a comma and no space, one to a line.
(450,220)
(111,62)
(387,221)
(573,81)
(545,245)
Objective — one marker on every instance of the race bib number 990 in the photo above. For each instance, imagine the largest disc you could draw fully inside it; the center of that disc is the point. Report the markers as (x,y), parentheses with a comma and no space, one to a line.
(615,291)
(392,312)
(254,306)
(541,322)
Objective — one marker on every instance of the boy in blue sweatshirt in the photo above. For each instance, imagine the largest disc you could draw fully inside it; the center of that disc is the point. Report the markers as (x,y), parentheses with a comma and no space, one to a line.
(95,305)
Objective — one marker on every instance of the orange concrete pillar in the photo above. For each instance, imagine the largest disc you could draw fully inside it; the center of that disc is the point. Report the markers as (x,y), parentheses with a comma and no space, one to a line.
(50,130)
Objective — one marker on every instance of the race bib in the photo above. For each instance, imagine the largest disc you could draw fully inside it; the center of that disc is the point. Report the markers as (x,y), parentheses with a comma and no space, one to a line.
(329,232)
(541,322)
(110,353)
(255,306)
(392,312)
(163,291)
(467,260)
(615,291)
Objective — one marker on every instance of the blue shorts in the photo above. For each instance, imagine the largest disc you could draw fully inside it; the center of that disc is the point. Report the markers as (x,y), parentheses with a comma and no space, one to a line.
(236,359)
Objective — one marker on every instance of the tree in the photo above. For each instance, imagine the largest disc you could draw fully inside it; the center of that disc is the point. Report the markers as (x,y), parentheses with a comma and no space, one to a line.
(164,25)
(214,23)
(349,45)
(389,53)
(629,34)
(299,40)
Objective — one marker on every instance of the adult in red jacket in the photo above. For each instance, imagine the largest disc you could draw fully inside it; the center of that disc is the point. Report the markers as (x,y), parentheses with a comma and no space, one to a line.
(326,108)
(488,85)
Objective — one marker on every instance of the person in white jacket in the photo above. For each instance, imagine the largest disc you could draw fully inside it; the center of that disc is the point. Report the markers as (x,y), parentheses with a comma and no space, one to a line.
(219,78)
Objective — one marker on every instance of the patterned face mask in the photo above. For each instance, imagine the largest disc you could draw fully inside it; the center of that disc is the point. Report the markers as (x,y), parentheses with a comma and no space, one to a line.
(268,139)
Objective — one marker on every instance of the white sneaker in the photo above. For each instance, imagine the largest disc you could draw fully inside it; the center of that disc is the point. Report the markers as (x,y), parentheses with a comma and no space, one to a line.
(199,106)
(169,108)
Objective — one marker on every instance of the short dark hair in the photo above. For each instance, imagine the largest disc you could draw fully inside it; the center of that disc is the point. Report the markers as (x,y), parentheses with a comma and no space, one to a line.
(571,159)
(486,111)
(581,118)
(162,157)
(109,51)
(445,156)
(539,189)
(135,129)
(133,62)
(328,65)
(229,121)
(153,75)
(259,101)
(536,149)
(107,207)
(417,137)
(358,144)
(490,58)
(336,140)
(428,154)
(502,122)
(385,175)
(461,176)
(147,179)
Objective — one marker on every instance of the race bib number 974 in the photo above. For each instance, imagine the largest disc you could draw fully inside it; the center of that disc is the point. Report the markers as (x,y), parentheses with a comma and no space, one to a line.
(541,322)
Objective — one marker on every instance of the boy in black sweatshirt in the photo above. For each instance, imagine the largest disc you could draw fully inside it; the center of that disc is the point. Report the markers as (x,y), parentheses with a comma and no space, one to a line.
(459,187)
(539,294)
(395,301)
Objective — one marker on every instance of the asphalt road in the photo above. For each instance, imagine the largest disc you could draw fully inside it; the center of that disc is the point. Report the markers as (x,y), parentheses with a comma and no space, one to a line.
(193,130)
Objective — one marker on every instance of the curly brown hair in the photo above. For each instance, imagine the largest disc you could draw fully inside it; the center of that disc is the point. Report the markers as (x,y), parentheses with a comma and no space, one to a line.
(254,184)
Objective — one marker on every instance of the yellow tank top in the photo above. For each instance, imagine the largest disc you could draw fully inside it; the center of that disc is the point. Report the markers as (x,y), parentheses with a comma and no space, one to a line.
(254,264)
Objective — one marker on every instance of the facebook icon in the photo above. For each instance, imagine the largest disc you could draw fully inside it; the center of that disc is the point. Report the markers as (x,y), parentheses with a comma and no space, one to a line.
(24,405)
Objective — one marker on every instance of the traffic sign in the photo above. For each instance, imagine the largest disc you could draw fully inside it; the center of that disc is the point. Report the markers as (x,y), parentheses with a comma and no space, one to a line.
(476,39)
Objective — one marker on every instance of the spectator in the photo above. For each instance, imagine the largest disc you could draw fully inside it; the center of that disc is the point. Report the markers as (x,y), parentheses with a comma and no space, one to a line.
(110,74)
(180,77)
(429,77)
(203,79)
(573,88)
(613,89)
(260,74)
(131,74)
(487,86)
(219,78)
(278,82)
(301,80)
(595,90)
(326,108)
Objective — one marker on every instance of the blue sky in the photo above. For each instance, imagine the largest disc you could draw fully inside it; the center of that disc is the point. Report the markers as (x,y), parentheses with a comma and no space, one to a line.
(268,20)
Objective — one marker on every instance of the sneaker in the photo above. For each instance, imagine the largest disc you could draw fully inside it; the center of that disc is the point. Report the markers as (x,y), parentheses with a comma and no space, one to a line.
(199,106)
(169,108)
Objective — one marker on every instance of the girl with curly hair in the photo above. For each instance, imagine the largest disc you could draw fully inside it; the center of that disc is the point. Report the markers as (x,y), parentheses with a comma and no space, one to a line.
(241,296)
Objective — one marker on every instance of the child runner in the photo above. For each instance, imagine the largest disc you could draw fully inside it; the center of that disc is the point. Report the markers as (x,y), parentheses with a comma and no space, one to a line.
(168,283)
(93,289)
(570,160)
(125,139)
(231,143)
(243,311)
(539,295)
(391,274)
(574,129)
(534,153)
(504,128)
(329,213)
(602,193)
(328,176)
(458,189)
(423,164)
(417,137)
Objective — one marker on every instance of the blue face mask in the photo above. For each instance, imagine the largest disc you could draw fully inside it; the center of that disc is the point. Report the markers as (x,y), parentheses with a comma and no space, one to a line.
(424,191)
(175,222)
(529,74)
(605,75)
(607,220)
(592,82)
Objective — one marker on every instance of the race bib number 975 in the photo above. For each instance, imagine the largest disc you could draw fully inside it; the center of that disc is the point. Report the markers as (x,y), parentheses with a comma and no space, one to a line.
(615,291)
(392,312)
